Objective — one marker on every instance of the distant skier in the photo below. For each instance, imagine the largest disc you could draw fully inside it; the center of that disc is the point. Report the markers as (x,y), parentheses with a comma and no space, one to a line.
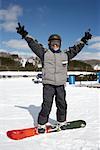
(54,71)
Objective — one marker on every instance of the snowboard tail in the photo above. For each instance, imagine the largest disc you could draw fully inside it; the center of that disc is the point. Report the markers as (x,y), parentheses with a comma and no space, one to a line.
(21,133)
(28,132)
(24,133)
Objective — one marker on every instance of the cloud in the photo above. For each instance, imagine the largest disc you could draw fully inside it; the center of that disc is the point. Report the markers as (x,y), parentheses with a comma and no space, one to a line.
(23,53)
(16,44)
(95,46)
(41,14)
(9,17)
(88,55)
(19,47)
(9,26)
(41,10)
(95,39)
(3,50)
(95,43)
(19,52)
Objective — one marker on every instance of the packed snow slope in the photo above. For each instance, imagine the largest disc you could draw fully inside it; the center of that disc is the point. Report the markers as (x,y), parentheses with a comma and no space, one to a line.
(20,103)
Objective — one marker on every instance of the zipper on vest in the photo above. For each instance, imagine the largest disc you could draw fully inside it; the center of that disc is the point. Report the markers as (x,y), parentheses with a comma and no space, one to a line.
(55,68)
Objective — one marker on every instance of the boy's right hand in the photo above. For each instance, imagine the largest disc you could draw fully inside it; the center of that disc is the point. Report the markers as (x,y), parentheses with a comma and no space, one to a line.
(20,30)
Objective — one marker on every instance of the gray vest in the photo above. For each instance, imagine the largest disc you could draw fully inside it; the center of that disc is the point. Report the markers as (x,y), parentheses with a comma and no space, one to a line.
(55,68)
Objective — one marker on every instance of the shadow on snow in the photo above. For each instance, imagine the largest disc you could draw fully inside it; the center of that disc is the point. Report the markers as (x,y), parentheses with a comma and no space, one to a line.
(34,111)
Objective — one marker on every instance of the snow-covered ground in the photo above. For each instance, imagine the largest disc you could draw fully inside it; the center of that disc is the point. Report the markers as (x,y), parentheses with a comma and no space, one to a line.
(20,101)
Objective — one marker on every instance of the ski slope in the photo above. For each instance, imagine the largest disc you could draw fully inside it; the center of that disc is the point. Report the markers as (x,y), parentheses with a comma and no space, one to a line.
(20,103)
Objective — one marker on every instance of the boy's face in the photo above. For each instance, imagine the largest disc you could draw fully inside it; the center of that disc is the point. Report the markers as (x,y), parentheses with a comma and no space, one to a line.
(55,44)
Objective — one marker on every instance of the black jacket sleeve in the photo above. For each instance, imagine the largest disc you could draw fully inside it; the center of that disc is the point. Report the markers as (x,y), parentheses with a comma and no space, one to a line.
(37,48)
(73,51)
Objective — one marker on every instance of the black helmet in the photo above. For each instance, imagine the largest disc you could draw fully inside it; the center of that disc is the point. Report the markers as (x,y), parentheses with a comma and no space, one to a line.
(54,37)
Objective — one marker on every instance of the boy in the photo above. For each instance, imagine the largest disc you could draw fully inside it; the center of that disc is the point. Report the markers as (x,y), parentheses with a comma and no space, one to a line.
(54,71)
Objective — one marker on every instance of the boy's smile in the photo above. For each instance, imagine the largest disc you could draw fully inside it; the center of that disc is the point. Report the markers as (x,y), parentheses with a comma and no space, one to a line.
(55,47)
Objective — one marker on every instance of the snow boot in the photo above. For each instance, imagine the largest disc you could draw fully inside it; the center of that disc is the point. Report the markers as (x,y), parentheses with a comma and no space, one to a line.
(62,125)
(41,129)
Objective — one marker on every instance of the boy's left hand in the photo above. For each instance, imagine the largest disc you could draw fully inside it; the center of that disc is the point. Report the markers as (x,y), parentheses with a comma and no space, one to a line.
(87,37)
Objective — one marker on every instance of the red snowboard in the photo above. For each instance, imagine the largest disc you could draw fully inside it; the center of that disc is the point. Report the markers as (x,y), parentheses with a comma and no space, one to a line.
(23,133)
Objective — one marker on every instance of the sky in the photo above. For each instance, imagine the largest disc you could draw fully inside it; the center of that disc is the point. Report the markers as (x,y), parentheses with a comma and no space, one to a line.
(41,18)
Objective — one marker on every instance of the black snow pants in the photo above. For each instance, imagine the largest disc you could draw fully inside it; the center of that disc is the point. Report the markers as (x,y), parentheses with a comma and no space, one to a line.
(49,91)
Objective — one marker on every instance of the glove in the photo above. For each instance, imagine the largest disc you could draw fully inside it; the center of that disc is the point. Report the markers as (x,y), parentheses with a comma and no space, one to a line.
(21,31)
(87,37)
